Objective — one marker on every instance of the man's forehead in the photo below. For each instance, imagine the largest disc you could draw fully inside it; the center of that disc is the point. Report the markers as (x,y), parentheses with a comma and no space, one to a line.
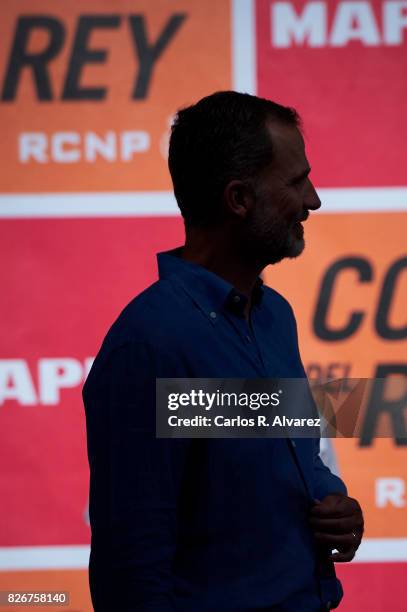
(288,144)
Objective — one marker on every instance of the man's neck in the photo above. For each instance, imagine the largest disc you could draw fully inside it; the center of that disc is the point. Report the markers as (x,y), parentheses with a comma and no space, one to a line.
(214,252)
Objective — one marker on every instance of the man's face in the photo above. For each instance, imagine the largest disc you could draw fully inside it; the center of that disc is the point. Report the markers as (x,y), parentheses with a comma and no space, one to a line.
(284,195)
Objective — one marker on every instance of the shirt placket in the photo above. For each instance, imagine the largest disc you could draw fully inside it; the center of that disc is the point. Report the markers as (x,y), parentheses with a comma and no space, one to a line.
(255,340)
(248,338)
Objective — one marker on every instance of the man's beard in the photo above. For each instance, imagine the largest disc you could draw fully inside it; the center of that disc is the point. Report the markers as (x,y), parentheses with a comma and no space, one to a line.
(274,242)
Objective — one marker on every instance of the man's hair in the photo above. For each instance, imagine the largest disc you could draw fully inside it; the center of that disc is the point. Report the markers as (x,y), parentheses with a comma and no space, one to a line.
(220,138)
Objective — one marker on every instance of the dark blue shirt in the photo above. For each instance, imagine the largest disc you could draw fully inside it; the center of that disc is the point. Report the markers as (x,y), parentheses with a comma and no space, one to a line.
(199,525)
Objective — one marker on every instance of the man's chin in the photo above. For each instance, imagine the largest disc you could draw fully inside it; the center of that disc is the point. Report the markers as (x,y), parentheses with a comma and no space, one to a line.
(296,248)
(292,251)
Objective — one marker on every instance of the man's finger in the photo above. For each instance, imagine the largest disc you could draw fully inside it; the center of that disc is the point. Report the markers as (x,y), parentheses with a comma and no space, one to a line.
(339,541)
(333,507)
(337,525)
(343,557)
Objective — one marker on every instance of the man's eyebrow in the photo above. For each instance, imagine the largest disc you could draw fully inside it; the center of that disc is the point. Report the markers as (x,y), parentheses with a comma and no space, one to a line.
(302,176)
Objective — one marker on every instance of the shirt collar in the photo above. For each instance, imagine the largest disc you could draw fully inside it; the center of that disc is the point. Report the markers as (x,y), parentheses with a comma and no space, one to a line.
(209,291)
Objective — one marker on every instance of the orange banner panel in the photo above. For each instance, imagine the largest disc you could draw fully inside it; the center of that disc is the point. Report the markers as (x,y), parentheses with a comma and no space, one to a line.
(348,290)
(75,582)
(90,89)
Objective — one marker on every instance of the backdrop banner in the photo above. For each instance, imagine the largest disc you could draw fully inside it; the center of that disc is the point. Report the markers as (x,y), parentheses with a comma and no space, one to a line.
(87,94)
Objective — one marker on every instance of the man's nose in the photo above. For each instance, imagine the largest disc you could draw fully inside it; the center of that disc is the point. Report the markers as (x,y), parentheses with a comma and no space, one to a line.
(312,200)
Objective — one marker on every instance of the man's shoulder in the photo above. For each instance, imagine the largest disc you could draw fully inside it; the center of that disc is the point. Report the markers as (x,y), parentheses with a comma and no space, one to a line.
(155,318)
(157,307)
(144,323)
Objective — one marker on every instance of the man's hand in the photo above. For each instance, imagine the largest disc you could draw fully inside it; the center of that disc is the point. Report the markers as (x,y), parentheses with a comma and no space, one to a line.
(337,523)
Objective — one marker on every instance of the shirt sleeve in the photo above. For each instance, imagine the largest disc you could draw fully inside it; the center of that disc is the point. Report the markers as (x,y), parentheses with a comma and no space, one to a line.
(135,481)
(326,483)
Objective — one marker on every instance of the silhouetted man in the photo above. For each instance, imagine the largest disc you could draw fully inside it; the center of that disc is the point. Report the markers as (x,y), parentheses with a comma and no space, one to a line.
(214,525)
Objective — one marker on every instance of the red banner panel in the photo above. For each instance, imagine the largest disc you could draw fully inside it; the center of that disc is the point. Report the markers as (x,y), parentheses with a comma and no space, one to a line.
(55,316)
(343,66)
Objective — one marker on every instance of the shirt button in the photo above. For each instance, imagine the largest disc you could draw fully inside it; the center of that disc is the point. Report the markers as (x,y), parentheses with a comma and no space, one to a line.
(236,298)
(212,315)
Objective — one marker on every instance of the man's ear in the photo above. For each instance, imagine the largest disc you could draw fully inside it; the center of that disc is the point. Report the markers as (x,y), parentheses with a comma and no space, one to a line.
(239,198)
